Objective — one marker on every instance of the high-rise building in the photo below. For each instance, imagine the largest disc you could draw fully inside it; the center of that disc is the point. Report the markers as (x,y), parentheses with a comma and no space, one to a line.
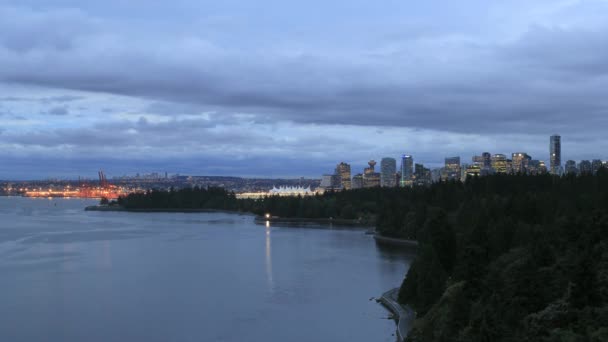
(570,167)
(499,163)
(542,168)
(407,168)
(584,167)
(473,170)
(388,169)
(555,154)
(357,181)
(520,161)
(452,168)
(326,181)
(371,178)
(596,164)
(343,172)
(422,175)
(487,160)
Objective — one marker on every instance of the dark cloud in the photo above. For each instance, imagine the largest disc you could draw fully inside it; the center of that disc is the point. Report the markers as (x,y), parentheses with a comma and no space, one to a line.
(526,85)
(61,110)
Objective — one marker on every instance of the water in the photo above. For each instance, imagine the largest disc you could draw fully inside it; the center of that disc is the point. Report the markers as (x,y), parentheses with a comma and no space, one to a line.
(71,275)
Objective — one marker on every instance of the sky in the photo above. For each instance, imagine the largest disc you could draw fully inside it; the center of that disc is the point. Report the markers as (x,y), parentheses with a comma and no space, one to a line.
(278,88)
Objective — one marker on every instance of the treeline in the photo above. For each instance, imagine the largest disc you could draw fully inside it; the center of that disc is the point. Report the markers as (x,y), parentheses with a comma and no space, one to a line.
(360,204)
(187,198)
(506,258)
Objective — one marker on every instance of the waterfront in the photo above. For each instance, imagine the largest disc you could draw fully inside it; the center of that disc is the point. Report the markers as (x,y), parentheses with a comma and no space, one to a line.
(72,275)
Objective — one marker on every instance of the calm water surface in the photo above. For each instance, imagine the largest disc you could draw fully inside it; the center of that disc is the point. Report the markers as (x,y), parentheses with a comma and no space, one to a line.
(71,275)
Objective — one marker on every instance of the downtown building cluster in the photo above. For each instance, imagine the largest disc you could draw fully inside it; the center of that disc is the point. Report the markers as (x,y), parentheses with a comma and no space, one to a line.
(413,174)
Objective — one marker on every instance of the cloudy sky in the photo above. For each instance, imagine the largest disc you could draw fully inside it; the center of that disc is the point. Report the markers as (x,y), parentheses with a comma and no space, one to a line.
(283,88)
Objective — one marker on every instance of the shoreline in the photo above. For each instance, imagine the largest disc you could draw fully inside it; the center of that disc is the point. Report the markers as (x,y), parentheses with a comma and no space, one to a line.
(161,210)
(314,221)
(404,316)
(395,241)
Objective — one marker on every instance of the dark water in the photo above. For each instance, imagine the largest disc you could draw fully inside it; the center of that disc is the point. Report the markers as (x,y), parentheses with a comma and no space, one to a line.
(71,275)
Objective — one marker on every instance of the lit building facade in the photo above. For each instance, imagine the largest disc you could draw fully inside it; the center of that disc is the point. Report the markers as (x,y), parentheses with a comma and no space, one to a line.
(371,178)
(499,163)
(407,169)
(388,169)
(343,172)
(555,154)
(520,161)
(452,168)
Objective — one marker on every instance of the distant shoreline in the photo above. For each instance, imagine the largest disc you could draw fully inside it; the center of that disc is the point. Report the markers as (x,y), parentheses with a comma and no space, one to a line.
(322,221)
(395,241)
(160,210)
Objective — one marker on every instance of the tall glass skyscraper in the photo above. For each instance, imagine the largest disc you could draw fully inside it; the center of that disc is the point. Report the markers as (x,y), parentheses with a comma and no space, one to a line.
(407,168)
(388,169)
(555,154)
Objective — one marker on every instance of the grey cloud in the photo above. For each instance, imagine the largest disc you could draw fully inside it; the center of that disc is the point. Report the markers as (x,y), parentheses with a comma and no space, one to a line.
(61,110)
(532,85)
(43,100)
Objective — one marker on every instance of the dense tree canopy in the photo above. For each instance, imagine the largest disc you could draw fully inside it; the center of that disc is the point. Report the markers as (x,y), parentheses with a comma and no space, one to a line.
(508,258)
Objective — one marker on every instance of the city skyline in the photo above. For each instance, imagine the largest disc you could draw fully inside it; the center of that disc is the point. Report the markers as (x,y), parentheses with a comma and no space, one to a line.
(281,89)
(497,161)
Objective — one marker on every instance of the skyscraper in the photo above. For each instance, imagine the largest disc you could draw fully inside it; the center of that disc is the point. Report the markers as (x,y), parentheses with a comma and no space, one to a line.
(487,160)
(452,168)
(388,169)
(357,181)
(407,168)
(499,163)
(555,154)
(520,162)
(371,178)
(343,172)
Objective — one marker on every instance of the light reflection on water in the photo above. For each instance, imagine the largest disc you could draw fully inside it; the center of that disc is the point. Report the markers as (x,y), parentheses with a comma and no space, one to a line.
(71,275)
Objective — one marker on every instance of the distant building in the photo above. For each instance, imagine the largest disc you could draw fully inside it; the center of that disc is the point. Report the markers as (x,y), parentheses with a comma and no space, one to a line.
(499,163)
(585,167)
(571,168)
(330,182)
(452,168)
(371,178)
(536,167)
(596,164)
(422,175)
(473,170)
(555,154)
(542,168)
(291,191)
(357,181)
(407,168)
(343,172)
(520,161)
(388,169)
(487,160)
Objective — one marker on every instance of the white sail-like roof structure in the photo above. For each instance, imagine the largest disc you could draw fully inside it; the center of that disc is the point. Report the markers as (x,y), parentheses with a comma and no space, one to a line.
(291,191)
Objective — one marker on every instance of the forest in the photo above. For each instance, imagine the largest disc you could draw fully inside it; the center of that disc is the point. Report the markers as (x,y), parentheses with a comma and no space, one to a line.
(500,258)
(507,258)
